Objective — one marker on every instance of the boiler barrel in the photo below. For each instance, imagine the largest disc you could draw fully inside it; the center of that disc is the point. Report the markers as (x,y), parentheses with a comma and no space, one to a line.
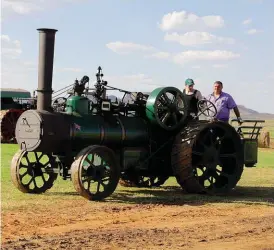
(109,130)
(53,132)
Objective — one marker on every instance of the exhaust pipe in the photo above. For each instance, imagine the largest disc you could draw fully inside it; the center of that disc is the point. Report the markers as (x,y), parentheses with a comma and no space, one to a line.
(45,68)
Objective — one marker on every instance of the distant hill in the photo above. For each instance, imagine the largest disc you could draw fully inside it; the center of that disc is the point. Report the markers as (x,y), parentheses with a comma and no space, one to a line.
(252,114)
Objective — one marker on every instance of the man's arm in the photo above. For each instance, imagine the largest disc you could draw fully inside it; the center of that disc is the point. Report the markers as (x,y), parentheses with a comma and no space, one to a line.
(199,95)
(232,105)
(237,112)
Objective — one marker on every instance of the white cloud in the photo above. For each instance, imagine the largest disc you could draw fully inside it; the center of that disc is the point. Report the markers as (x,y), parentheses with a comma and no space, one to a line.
(22,7)
(247,21)
(197,38)
(10,48)
(5,38)
(127,47)
(218,66)
(202,55)
(196,67)
(182,19)
(271,75)
(159,55)
(178,58)
(15,71)
(253,31)
(25,7)
(134,82)
(138,77)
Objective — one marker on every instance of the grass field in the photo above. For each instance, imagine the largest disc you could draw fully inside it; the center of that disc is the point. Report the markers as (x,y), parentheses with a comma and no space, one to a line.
(261,176)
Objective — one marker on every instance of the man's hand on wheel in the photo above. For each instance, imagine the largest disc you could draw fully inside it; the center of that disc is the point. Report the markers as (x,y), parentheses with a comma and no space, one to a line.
(202,102)
(240,120)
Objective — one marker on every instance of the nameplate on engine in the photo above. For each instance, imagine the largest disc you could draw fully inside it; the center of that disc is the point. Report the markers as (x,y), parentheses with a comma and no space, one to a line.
(105,106)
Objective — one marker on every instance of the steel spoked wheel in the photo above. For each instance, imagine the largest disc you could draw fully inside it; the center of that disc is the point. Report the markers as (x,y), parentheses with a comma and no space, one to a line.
(59,104)
(8,123)
(217,159)
(33,172)
(214,163)
(207,108)
(95,173)
(166,107)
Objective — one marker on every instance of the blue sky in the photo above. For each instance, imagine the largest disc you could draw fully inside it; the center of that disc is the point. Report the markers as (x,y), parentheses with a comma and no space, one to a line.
(142,45)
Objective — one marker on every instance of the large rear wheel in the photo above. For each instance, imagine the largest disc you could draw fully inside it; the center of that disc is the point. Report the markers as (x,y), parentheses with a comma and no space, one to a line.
(207,157)
(8,120)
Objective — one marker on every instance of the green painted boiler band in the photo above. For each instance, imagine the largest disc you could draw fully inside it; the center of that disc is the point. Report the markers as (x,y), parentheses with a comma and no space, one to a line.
(109,130)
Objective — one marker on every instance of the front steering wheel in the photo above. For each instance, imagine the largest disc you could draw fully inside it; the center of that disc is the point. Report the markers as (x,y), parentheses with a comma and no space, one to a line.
(59,104)
(207,108)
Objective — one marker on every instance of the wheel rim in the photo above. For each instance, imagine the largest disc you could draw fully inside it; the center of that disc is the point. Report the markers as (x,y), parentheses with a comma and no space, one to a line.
(95,171)
(33,172)
(216,158)
(95,174)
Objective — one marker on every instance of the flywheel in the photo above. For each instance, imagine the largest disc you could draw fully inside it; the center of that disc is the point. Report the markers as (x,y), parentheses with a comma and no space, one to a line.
(166,108)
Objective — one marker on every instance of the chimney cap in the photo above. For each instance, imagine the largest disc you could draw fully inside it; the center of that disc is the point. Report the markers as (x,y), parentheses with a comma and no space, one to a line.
(47,30)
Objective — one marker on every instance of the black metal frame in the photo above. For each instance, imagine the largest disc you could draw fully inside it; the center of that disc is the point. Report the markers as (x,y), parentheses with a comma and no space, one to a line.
(249,136)
(255,129)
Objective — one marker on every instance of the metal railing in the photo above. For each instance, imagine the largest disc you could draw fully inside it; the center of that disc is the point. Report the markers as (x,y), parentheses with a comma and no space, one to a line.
(249,131)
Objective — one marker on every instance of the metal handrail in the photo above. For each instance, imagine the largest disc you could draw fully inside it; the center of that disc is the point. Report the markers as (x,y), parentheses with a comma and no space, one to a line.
(255,129)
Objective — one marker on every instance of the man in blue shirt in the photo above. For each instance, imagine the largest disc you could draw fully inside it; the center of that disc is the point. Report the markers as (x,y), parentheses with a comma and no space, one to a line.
(224,103)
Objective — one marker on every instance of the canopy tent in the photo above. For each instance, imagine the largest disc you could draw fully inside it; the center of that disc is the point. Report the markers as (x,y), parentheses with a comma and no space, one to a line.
(14,93)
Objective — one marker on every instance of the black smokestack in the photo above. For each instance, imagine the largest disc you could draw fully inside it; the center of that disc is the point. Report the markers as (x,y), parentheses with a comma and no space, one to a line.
(45,68)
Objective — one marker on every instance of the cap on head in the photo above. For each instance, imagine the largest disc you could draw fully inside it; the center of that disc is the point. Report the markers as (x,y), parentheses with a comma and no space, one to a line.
(189,82)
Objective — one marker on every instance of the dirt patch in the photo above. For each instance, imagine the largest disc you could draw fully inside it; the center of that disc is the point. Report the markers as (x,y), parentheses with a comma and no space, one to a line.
(88,225)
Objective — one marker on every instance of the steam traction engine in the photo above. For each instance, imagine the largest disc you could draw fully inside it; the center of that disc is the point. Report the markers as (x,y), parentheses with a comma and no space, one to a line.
(97,142)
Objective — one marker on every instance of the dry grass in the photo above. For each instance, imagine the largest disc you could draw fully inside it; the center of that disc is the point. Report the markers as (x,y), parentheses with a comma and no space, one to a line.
(264,139)
(268,127)
(272,143)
